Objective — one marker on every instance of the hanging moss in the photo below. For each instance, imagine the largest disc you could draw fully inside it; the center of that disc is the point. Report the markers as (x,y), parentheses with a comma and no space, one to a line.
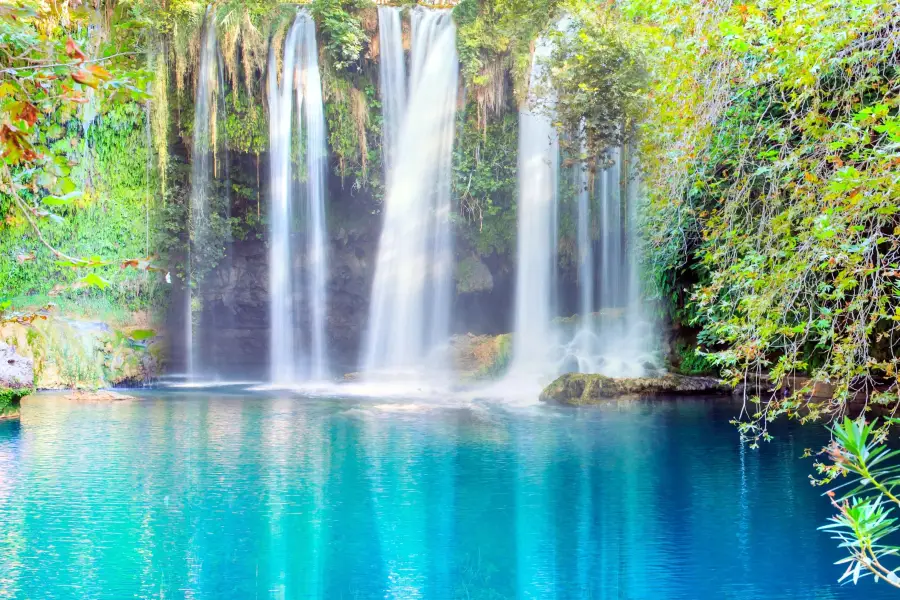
(484,181)
(246,125)
(159,116)
(354,124)
(494,38)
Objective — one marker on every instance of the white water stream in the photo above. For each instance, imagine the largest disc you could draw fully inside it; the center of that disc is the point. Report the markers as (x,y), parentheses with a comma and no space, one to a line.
(534,340)
(203,175)
(410,304)
(297,216)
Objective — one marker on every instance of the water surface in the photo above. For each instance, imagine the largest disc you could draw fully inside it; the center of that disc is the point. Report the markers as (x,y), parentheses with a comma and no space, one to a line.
(229,496)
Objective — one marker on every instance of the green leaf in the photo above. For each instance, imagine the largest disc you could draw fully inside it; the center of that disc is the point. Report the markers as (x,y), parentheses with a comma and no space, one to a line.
(67,186)
(44,179)
(142,334)
(94,280)
(61,200)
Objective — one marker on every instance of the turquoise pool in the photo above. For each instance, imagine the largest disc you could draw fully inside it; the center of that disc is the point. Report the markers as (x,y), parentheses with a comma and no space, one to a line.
(214,495)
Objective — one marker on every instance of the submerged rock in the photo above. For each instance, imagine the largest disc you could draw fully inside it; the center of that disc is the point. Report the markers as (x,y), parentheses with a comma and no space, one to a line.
(578,388)
(16,379)
(98,396)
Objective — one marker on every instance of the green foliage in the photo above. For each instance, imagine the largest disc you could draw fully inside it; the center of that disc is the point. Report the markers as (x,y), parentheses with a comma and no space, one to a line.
(108,220)
(341,30)
(864,523)
(598,78)
(56,180)
(246,125)
(495,36)
(484,181)
(9,399)
(477,38)
(693,362)
(772,185)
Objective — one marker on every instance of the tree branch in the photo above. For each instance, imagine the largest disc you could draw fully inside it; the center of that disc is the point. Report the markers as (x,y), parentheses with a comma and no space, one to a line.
(27,212)
(14,70)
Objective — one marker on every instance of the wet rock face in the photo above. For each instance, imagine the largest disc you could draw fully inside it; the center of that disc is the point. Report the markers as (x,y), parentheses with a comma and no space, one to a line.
(233,332)
(577,389)
(16,380)
(16,372)
(233,335)
(472,275)
(353,258)
(66,353)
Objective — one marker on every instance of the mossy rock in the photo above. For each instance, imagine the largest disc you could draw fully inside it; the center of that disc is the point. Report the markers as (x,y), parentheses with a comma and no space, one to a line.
(480,356)
(10,400)
(578,389)
(472,275)
(16,380)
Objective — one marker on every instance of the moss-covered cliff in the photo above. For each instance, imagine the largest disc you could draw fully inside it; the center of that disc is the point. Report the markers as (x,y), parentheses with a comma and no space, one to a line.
(133,161)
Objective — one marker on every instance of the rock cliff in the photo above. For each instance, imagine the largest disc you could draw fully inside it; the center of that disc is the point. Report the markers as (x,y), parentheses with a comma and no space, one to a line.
(16,379)
(578,389)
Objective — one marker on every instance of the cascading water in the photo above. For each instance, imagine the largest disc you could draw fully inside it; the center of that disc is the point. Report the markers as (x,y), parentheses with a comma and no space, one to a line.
(613,341)
(316,165)
(585,257)
(612,337)
(533,341)
(203,175)
(611,251)
(409,312)
(300,95)
(392,78)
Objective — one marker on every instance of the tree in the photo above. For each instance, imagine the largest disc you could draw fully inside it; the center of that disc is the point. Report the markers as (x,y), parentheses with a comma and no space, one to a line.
(46,78)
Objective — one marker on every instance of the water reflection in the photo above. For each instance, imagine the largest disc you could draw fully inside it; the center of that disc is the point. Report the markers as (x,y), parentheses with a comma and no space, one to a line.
(229,497)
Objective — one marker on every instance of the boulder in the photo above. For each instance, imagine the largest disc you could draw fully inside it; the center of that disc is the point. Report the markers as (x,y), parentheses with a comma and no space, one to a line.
(472,275)
(577,389)
(16,379)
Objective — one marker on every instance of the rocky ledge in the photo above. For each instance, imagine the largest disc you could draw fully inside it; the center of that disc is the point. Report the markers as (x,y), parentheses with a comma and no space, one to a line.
(98,396)
(16,380)
(578,389)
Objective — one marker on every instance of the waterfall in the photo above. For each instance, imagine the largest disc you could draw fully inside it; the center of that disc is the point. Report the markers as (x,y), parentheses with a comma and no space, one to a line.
(392,78)
(613,337)
(409,312)
(615,341)
(611,250)
(293,356)
(533,340)
(203,175)
(585,254)
(316,165)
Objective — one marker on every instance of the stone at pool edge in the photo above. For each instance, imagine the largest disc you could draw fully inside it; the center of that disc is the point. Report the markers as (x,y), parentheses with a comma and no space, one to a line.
(578,389)
(98,396)
(16,380)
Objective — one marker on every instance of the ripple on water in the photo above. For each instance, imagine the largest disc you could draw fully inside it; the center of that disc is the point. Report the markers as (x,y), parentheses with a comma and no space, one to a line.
(230,495)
